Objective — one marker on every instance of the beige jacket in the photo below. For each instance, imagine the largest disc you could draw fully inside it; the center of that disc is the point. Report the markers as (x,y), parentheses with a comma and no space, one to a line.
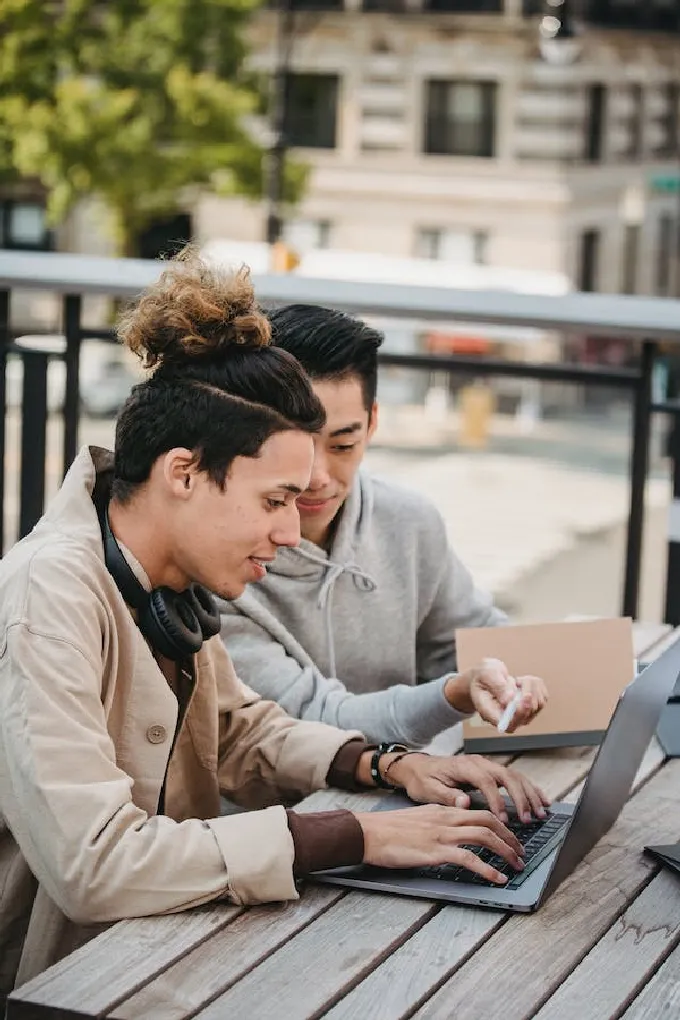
(86,724)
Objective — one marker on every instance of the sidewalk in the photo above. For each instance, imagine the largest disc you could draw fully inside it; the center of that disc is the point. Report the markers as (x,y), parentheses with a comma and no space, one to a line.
(544,537)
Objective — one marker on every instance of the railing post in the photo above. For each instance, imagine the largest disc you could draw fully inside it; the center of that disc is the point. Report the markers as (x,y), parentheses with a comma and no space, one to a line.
(4,344)
(672,605)
(33,439)
(639,457)
(72,332)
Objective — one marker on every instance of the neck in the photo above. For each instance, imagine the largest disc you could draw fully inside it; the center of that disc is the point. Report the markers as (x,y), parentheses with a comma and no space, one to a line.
(321,535)
(136,526)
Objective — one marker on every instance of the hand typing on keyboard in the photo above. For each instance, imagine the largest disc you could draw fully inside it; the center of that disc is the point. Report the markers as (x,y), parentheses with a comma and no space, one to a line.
(538,838)
(432,836)
(436,779)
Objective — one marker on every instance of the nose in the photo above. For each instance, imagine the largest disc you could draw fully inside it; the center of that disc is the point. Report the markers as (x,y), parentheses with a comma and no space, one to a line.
(320,476)
(286,531)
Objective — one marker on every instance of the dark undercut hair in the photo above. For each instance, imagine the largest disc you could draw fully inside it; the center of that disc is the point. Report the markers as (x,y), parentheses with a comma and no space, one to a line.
(217,387)
(329,344)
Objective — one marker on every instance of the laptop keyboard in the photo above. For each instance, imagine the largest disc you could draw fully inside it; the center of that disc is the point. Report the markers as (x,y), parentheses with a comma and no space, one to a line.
(538,837)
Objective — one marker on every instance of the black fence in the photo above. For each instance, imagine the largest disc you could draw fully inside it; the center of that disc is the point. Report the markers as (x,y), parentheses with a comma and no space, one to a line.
(652,324)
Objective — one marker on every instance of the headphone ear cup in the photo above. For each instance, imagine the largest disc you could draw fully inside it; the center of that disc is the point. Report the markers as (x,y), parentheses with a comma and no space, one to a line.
(170,623)
(205,608)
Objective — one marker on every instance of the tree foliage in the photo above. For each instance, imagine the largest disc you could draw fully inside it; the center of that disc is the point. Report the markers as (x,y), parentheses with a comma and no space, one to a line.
(134,101)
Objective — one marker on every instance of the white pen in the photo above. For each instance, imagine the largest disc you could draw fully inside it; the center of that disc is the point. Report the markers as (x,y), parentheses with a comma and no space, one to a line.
(509,713)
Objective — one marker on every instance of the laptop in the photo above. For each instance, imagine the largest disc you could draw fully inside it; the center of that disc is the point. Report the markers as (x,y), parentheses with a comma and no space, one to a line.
(668,733)
(668,855)
(553,846)
(584,663)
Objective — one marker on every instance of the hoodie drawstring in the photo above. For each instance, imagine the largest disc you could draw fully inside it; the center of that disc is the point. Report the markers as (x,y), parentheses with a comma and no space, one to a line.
(362,580)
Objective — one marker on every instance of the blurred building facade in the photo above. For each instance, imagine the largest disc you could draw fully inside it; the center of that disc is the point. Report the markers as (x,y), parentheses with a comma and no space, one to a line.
(460,130)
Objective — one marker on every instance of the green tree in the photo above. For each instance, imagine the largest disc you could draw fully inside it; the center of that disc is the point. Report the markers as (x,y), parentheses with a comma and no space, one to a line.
(136,102)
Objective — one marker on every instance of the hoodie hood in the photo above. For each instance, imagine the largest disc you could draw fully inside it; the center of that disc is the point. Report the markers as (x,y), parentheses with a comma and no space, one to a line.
(308,561)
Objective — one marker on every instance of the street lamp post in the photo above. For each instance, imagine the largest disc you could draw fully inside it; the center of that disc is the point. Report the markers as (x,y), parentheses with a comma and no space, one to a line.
(276,157)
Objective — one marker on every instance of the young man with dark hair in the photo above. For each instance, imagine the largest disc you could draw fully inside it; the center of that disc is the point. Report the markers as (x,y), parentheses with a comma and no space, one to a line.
(347,627)
(121,718)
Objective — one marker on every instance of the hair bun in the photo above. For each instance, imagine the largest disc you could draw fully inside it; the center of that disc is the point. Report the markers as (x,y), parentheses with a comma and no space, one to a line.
(196,309)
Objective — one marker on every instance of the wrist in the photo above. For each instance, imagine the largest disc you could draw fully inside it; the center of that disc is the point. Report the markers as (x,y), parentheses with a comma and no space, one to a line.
(378,768)
(398,768)
(457,693)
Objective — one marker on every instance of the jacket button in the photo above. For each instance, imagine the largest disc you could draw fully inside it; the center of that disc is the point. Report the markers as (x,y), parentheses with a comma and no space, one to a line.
(156,734)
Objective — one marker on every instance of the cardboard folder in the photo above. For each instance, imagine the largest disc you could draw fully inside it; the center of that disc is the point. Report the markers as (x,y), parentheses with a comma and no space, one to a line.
(585,666)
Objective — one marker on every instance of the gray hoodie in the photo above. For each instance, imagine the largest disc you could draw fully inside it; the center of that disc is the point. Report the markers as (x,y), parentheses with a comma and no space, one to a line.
(346,637)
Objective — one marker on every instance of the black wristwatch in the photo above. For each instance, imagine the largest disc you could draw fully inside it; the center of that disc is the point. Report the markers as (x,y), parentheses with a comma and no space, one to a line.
(380,750)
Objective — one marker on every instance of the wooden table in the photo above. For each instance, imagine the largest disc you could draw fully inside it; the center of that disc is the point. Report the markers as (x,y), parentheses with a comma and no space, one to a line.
(606,944)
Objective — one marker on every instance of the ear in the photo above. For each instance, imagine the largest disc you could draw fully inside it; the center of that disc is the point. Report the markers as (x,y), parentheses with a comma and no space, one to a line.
(179,472)
(372,420)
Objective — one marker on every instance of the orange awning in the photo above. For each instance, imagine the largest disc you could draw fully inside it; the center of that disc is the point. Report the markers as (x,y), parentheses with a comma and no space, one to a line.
(456,343)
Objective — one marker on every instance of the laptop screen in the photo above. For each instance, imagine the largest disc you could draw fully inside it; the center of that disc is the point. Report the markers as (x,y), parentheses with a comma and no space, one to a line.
(619,757)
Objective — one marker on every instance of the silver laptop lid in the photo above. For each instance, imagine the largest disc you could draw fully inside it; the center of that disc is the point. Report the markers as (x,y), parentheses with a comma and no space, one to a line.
(620,754)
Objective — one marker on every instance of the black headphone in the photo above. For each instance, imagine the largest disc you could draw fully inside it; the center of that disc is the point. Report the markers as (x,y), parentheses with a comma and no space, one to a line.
(176,623)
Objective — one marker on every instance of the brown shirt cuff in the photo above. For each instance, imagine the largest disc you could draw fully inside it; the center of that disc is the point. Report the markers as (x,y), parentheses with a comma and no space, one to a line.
(342,773)
(325,839)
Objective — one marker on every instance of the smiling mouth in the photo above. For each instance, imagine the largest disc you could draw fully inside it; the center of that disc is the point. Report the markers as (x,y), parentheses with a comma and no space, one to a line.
(313,504)
(260,562)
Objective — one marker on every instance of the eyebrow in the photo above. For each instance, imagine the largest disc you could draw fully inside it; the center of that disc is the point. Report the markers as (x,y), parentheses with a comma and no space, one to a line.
(346,430)
(287,487)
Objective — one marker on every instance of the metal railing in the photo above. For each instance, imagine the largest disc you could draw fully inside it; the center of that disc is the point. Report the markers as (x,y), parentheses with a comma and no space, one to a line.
(649,322)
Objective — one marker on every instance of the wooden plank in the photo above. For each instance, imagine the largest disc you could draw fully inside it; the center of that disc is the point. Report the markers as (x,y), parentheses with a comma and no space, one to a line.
(408,976)
(652,760)
(610,976)
(566,927)
(218,963)
(560,769)
(661,997)
(119,960)
(330,800)
(328,958)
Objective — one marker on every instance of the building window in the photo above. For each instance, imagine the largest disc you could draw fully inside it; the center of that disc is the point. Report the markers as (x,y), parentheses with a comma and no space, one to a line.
(23,226)
(636,123)
(312,5)
(664,255)
(643,15)
(388,6)
(466,247)
(670,124)
(588,260)
(596,98)
(307,235)
(460,118)
(631,247)
(465,6)
(311,110)
(164,236)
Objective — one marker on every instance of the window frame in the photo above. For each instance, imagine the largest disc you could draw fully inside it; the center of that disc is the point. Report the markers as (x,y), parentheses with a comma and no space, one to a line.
(437,125)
